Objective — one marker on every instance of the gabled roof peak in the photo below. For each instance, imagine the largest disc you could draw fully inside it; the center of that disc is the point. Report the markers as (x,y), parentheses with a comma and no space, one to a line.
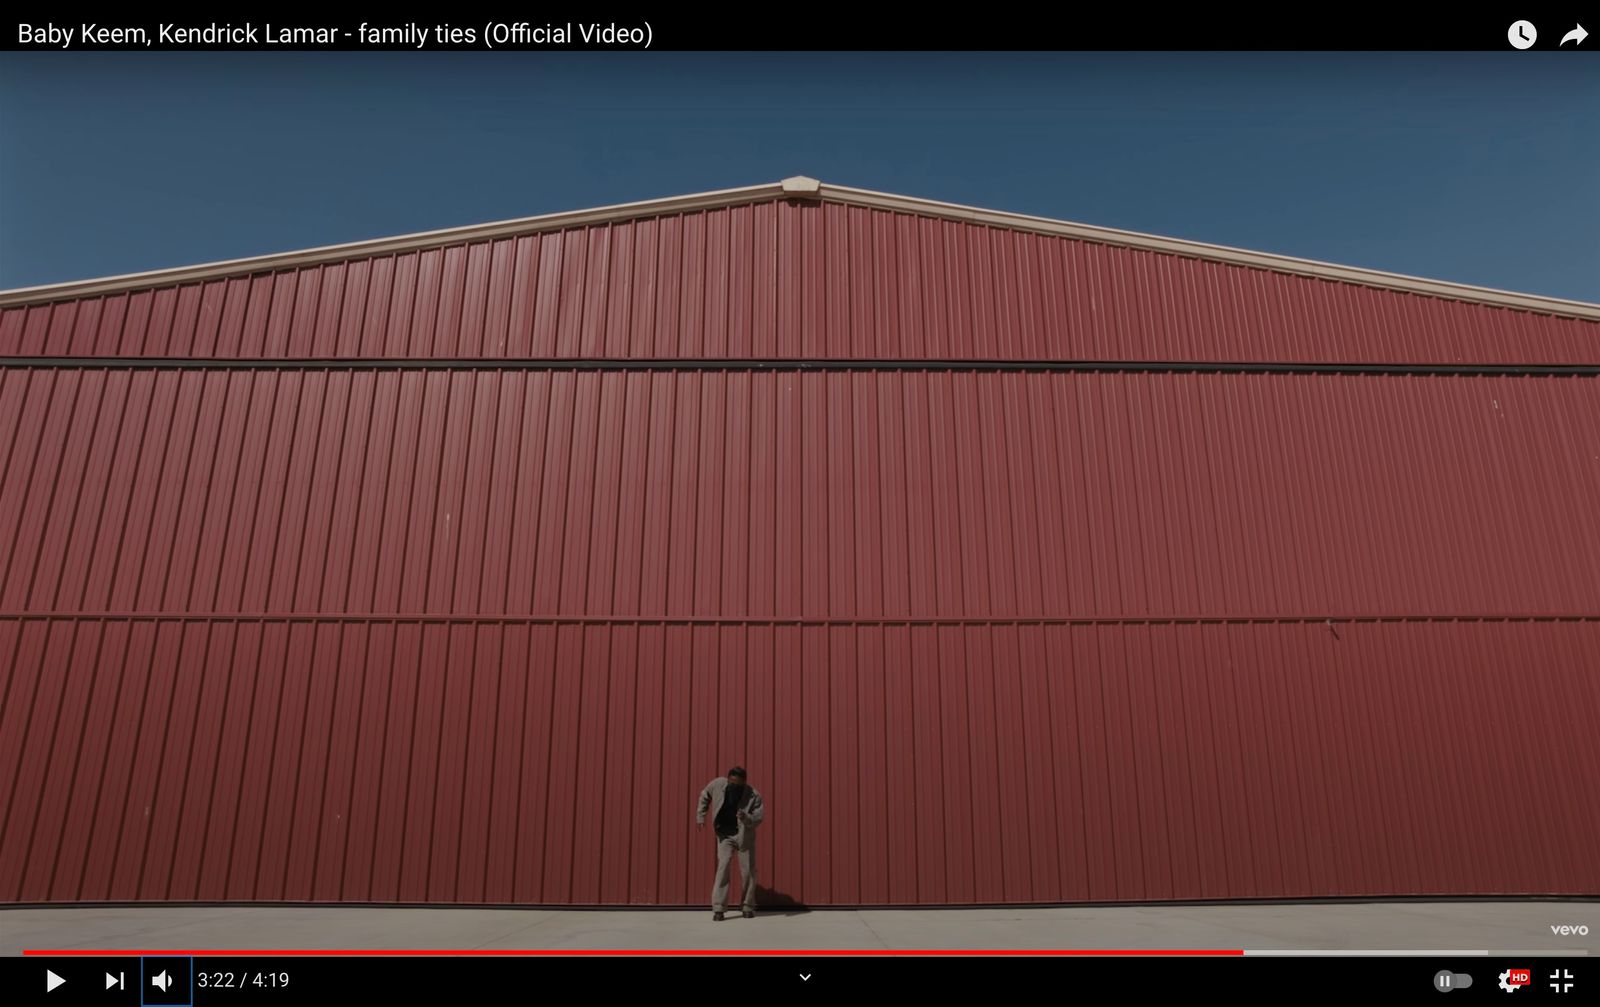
(802,187)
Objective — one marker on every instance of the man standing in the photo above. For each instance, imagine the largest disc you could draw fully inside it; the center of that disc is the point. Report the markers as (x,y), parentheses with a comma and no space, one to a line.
(735,812)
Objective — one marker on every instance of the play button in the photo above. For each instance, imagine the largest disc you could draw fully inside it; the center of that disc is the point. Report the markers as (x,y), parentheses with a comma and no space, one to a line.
(51,981)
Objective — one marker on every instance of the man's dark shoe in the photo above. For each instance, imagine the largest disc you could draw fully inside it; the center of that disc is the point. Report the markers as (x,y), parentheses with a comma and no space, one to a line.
(716,917)
(749,914)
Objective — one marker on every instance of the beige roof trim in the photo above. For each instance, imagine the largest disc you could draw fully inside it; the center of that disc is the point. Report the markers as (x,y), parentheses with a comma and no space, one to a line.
(1218,253)
(386,246)
(800,187)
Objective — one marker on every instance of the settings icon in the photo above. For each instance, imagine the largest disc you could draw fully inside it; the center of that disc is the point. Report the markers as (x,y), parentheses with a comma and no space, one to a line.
(1512,980)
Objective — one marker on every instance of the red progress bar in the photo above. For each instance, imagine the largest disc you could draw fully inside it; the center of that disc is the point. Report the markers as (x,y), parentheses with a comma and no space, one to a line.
(792,952)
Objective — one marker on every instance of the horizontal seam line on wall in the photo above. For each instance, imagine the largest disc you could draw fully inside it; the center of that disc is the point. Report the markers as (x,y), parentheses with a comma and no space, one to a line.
(689,620)
(786,364)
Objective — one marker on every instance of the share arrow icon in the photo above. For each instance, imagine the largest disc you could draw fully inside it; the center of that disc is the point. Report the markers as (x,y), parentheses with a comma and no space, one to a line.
(1577,34)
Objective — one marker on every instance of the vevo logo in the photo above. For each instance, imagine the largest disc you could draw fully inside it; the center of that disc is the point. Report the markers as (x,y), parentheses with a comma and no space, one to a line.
(1566,930)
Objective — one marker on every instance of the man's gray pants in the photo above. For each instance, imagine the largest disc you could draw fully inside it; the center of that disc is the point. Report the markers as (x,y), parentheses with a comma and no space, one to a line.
(726,848)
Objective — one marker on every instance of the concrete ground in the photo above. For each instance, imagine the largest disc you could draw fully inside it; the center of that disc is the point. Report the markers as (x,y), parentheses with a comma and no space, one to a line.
(1523,926)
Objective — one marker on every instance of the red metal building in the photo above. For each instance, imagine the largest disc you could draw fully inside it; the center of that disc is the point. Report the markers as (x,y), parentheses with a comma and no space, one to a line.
(1020,561)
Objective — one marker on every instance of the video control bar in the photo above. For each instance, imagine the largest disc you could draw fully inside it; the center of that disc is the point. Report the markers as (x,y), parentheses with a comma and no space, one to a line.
(340,978)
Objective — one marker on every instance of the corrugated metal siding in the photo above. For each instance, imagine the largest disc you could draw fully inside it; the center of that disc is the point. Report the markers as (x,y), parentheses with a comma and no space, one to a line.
(981,637)
(403,761)
(780,280)
(798,495)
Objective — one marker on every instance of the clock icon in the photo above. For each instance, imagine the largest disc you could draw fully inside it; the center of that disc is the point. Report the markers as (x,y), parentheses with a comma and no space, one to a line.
(1521,34)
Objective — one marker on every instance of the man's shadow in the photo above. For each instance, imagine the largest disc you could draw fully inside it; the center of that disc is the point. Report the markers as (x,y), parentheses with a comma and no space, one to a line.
(772,902)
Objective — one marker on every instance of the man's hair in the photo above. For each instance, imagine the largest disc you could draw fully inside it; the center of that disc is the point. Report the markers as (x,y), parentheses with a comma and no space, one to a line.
(736,771)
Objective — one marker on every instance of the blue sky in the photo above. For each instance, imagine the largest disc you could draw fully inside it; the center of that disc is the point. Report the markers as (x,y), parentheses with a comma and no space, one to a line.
(1481,168)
